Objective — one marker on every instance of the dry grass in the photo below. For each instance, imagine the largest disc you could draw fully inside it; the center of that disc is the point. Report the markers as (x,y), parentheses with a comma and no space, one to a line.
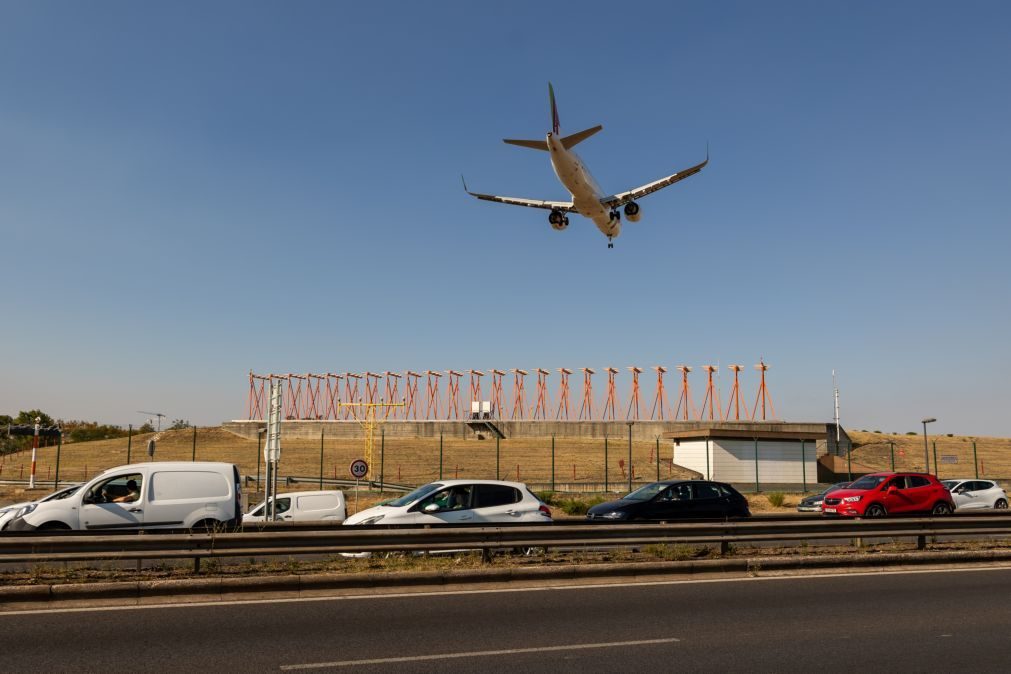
(874,450)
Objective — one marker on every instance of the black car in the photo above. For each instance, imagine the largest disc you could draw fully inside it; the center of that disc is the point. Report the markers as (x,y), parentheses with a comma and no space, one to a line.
(812,504)
(673,500)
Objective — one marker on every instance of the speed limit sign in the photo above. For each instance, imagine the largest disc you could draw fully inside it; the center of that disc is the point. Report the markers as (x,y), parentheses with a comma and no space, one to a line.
(359,469)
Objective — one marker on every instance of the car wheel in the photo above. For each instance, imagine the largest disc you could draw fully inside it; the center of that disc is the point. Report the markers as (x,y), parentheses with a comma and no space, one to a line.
(875,510)
(941,508)
(1001,504)
(207,527)
(54,526)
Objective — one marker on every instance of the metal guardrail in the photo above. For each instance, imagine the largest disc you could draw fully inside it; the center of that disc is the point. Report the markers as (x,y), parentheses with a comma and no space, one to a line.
(289,542)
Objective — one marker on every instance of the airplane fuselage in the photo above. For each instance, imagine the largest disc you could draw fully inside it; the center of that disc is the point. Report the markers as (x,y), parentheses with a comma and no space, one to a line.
(586,194)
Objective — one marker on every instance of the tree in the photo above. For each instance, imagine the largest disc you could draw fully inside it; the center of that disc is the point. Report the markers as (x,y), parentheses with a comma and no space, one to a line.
(29,418)
(179,424)
(146,428)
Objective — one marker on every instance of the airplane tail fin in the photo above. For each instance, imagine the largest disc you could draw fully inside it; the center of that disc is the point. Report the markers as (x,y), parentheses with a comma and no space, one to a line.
(554,110)
(579,137)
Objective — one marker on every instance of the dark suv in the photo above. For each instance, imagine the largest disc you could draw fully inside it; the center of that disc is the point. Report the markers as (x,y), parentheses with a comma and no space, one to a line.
(673,500)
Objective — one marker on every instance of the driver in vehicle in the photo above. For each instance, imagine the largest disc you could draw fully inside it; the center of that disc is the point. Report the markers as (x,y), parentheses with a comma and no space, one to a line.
(132,493)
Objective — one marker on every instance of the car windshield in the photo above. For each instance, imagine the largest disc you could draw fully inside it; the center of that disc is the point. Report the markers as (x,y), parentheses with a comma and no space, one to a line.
(419,493)
(950,484)
(868,482)
(645,493)
(62,494)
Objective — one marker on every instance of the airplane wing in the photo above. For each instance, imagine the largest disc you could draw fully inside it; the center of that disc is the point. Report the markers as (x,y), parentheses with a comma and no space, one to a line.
(622,198)
(564,206)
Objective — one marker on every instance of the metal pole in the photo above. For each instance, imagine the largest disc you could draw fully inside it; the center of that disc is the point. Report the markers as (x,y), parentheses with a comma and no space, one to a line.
(258,459)
(60,447)
(552,462)
(707,459)
(194,458)
(658,458)
(891,446)
(630,458)
(934,443)
(849,460)
(605,463)
(382,459)
(975,462)
(129,441)
(440,455)
(497,456)
(757,486)
(803,465)
(321,458)
(926,455)
(35,449)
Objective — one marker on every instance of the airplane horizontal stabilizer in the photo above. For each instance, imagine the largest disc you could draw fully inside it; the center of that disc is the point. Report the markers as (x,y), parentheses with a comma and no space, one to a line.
(577,138)
(532,144)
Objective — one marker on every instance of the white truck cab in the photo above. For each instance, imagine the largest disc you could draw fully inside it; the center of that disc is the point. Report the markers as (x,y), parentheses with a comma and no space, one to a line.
(155,495)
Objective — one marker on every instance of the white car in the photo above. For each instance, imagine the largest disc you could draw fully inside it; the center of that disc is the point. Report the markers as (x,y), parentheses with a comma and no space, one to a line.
(976,494)
(460,502)
(8,513)
(303,506)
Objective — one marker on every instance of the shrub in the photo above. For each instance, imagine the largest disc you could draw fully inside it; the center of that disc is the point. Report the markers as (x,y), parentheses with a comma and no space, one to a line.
(911,433)
(776,499)
(670,552)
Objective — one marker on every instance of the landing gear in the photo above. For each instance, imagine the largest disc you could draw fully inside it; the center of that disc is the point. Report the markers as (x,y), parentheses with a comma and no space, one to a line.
(610,244)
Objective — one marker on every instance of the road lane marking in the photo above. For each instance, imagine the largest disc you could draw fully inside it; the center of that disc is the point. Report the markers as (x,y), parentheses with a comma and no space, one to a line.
(477,654)
(543,588)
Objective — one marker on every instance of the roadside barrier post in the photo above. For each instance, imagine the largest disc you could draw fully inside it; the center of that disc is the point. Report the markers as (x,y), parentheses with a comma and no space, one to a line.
(194,456)
(630,470)
(605,463)
(975,462)
(129,441)
(440,455)
(35,449)
(552,462)
(658,458)
(497,456)
(382,459)
(891,446)
(707,460)
(934,443)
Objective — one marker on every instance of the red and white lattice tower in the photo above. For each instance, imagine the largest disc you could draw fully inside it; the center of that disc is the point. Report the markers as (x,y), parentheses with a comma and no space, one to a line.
(433,395)
(351,394)
(453,409)
(612,395)
(633,404)
(392,393)
(475,386)
(712,396)
(294,397)
(314,409)
(735,396)
(660,401)
(411,399)
(540,410)
(563,394)
(333,394)
(497,411)
(257,399)
(763,393)
(519,393)
(587,405)
(685,398)
(372,388)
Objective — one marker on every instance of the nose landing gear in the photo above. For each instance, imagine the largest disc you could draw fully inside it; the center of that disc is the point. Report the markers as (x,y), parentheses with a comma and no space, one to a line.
(610,244)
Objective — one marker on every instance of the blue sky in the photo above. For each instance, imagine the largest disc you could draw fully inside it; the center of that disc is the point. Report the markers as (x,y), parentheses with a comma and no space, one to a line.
(192,190)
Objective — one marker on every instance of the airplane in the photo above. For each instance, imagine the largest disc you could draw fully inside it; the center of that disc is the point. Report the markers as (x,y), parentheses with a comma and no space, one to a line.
(587,199)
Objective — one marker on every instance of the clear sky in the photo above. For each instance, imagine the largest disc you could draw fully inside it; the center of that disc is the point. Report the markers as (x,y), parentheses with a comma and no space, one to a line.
(191,190)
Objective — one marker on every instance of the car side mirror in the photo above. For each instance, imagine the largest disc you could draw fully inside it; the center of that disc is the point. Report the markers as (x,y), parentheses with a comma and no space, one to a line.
(431,508)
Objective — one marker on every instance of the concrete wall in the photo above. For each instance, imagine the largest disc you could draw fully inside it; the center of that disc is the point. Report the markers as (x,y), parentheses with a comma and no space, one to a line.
(641,430)
(779,461)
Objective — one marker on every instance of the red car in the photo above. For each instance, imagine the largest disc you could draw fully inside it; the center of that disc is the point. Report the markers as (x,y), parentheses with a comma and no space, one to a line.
(881,494)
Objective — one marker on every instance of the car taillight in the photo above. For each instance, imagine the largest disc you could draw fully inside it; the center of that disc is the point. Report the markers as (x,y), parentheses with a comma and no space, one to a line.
(545,510)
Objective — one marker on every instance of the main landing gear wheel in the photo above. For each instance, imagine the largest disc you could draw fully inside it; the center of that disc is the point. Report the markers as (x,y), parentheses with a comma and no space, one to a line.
(610,244)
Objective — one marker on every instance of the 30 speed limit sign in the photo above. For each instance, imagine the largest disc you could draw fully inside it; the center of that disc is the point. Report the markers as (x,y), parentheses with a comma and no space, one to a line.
(359,469)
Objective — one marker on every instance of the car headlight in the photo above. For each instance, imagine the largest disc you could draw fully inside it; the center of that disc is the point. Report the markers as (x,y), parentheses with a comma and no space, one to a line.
(852,499)
(26,509)
(372,520)
(613,515)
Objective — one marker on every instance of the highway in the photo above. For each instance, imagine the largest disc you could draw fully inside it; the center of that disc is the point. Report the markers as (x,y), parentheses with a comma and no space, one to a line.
(901,621)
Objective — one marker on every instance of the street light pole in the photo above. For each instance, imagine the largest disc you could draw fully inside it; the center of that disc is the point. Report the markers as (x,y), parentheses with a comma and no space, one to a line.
(926,452)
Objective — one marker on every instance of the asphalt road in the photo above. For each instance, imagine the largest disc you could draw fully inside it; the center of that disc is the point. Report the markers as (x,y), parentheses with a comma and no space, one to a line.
(908,622)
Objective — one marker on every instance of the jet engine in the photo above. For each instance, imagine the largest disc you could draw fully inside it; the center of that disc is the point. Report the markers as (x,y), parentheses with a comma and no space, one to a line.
(558,220)
(632,211)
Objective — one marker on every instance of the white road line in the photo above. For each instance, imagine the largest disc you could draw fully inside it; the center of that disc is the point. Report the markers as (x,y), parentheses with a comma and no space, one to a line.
(543,588)
(477,654)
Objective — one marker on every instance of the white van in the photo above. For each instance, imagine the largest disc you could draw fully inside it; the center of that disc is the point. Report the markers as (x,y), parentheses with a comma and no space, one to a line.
(303,506)
(156,495)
